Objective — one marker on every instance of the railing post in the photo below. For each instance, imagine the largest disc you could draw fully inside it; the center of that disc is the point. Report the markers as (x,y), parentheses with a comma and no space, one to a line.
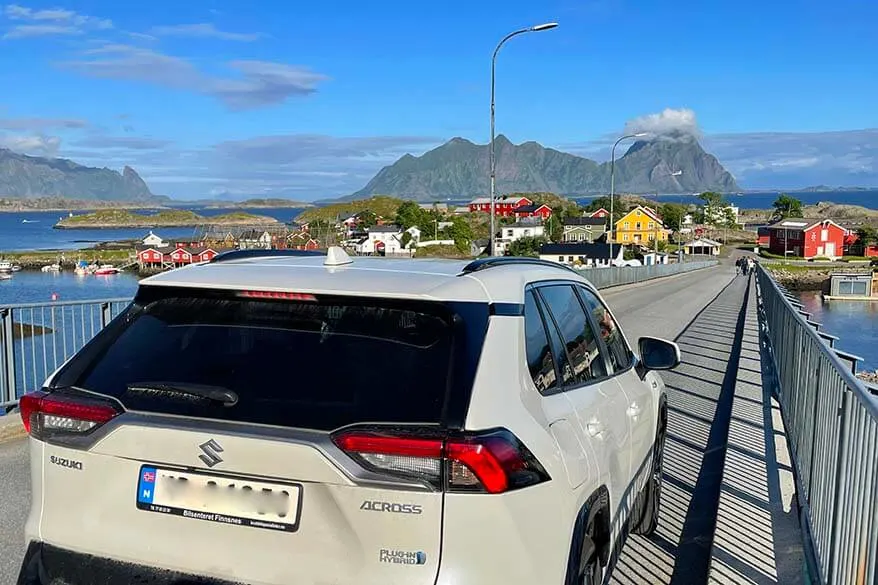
(841,471)
(7,360)
(106,314)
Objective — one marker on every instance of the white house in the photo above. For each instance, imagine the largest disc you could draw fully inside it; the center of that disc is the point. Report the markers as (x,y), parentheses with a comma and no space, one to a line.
(596,255)
(718,214)
(515,231)
(151,240)
(382,240)
(415,233)
(254,239)
(702,246)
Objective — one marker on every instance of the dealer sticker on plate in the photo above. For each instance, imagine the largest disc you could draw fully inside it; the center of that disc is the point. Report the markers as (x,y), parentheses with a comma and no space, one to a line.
(227,500)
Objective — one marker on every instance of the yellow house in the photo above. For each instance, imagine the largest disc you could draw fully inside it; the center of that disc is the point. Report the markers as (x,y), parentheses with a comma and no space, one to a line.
(641,225)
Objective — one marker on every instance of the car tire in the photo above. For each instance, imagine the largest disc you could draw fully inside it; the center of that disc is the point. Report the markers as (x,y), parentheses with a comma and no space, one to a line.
(592,571)
(649,516)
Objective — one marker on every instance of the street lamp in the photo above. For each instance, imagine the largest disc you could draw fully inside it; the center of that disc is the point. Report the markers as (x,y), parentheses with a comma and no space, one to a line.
(613,176)
(536,28)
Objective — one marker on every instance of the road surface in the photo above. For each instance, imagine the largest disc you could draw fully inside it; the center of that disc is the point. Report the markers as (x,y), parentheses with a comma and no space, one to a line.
(663,307)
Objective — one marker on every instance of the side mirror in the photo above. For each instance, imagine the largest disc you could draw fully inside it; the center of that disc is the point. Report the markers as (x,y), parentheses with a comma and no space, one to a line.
(658,354)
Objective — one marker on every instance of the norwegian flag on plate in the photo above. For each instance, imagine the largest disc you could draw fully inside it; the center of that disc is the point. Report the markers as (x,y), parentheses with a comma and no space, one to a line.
(149,476)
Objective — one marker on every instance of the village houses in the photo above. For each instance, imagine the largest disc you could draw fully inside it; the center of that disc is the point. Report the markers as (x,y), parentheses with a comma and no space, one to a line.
(640,225)
(584,229)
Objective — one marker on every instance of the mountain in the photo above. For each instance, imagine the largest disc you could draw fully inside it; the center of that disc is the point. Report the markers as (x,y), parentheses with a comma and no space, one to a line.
(460,168)
(30,177)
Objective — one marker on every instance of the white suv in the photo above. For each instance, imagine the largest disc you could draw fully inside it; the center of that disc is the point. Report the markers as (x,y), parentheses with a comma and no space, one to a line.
(280,418)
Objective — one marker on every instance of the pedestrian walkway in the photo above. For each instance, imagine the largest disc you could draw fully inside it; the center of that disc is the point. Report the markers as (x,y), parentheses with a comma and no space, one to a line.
(716,454)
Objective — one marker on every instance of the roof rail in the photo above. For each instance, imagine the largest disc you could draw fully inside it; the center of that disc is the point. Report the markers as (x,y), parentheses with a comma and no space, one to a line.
(492,261)
(258,253)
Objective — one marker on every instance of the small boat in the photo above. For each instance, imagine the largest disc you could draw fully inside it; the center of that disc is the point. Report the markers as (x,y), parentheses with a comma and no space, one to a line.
(5,266)
(16,268)
(5,276)
(51,268)
(30,221)
(105,269)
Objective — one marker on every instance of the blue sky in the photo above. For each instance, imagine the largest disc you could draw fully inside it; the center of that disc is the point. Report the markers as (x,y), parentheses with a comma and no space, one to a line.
(310,99)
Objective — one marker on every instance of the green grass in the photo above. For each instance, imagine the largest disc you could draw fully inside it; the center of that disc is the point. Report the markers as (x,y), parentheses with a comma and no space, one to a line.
(380,205)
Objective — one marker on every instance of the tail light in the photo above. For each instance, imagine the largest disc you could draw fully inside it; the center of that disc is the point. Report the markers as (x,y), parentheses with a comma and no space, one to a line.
(492,462)
(56,416)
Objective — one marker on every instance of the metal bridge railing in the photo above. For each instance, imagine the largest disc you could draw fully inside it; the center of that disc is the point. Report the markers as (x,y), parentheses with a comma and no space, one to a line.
(832,424)
(619,275)
(37,338)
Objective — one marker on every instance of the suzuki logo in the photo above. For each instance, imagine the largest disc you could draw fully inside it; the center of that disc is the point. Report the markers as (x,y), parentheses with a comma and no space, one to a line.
(211,453)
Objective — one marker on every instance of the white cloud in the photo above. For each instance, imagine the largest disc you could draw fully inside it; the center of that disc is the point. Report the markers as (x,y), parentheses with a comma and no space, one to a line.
(40,124)
(51,22)
(203,30)
(34,145)
(259,83)
(669,122)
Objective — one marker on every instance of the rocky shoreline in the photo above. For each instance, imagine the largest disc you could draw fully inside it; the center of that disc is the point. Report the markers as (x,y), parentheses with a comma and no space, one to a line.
(800,281)
(869,377)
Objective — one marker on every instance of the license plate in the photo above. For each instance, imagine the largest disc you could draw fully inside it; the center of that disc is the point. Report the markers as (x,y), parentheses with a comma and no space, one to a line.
(222,499)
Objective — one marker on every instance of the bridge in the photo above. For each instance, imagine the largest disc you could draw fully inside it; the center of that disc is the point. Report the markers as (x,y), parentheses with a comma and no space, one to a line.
(771,462)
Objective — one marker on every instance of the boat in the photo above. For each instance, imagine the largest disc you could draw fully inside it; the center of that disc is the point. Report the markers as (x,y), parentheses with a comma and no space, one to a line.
(105,269)
(5,276)
(16,268)
(51,268)
(5,266)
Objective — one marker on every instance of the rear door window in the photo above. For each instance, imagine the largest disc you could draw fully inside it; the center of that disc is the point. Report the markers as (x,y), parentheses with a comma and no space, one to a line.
(316,365)
(619,352)
(539,355)
(576,332)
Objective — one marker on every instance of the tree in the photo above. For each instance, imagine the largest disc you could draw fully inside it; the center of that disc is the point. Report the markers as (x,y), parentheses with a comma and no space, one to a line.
(729,220)
(406,239)
(867,236)
(713,207)
(527,246)
(367,218)
(672,215)
(462,234)
(598,203)
(786,206)
(410,214)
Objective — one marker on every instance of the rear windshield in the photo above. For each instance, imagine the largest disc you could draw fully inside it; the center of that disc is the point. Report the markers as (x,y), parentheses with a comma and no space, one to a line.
(307,364)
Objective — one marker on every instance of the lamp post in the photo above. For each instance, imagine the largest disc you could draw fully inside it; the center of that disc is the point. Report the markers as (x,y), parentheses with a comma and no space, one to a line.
(536,28)
(613,177)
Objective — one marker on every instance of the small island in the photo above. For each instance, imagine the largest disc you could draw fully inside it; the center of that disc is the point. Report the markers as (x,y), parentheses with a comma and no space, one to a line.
(122,218)
(267,203)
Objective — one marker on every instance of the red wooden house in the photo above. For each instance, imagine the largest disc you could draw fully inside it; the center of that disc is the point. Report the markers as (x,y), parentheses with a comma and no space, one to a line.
(533,210)
(503,206)
(600,213)
(807,238)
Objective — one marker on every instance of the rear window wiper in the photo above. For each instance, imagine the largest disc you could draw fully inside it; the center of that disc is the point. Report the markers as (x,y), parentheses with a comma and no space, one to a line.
(185,391)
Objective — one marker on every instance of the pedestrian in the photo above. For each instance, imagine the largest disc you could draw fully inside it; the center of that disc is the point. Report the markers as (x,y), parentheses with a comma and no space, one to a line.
(739,266)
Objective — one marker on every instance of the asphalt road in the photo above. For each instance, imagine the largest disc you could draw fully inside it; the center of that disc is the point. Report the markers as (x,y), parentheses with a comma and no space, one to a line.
(661,308)
(14,504)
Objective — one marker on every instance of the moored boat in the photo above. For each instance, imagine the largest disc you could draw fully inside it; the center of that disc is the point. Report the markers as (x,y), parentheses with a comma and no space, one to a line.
(105,269)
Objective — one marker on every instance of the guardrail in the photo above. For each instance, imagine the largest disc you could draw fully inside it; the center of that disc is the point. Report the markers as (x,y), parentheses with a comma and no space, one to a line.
(37,338)
(832,423)
(620,275)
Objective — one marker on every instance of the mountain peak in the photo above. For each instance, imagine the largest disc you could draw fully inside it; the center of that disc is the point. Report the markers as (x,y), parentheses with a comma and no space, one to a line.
(452,172)
(34,176)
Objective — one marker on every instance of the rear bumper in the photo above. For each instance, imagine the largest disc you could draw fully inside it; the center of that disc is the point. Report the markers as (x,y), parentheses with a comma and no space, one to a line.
(45,564)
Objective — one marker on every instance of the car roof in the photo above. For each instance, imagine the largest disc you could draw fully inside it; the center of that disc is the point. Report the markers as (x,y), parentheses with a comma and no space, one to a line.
(426,279)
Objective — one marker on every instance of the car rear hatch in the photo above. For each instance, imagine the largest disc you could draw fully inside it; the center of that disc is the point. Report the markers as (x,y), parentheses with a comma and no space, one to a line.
(262,437)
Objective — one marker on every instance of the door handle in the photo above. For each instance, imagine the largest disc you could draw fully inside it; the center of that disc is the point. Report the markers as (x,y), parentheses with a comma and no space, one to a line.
(595,428)
(633,410)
